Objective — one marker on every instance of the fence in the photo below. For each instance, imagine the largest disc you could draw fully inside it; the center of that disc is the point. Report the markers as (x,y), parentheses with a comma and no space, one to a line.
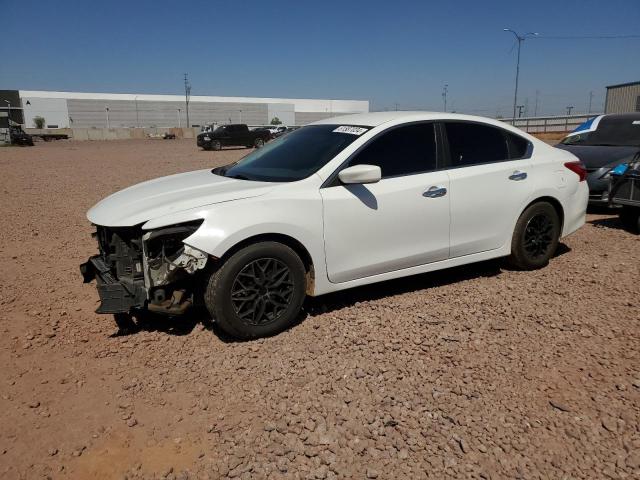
(558,124)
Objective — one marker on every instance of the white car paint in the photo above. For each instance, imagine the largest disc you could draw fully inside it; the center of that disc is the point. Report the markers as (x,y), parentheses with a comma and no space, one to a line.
(360,234)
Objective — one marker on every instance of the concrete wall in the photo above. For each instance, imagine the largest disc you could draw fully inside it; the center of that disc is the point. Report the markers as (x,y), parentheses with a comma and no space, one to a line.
(284,111)
(84,134)
(86,110)
(124,113)
(302,118)
(54,111)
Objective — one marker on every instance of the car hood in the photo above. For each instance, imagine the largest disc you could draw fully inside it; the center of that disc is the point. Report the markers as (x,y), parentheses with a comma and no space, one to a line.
(594,156)
(166,195)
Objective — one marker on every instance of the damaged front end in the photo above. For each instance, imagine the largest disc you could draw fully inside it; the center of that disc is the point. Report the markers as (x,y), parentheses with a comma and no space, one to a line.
(137,269)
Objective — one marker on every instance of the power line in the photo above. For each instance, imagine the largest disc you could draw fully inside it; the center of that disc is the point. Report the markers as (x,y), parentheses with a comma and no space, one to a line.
(582,37)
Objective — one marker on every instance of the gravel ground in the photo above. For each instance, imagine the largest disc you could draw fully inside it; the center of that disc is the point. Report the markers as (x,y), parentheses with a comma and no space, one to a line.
(474,372)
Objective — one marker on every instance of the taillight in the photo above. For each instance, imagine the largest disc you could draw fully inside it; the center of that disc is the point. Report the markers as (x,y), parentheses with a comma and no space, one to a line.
(578,169)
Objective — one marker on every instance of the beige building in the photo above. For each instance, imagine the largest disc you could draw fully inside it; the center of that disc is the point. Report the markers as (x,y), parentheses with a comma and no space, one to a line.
(623,98)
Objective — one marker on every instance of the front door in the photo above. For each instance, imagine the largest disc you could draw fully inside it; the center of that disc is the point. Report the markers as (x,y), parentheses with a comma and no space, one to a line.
(401,221)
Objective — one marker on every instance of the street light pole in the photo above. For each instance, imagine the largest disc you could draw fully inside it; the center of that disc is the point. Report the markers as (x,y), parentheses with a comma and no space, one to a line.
(106,109)
(187,96)
(444,95)
(520,39)
(8,113)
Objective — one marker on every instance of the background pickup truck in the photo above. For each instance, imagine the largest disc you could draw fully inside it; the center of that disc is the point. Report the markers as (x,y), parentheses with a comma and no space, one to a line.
(232,135)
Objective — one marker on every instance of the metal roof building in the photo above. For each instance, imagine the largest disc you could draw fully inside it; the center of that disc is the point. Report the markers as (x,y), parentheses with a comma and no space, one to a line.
(623,98)
(117,110)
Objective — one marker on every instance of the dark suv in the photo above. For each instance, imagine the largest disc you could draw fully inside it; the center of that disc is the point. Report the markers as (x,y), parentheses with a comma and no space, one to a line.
(232,135)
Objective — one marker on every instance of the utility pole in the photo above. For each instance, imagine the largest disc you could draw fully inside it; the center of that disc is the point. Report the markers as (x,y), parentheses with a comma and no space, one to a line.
(106,109)
(569,108)
(590,101)
(520,39)
(396,106)
(187,96)
(445,90)
(137,117)
(535,109)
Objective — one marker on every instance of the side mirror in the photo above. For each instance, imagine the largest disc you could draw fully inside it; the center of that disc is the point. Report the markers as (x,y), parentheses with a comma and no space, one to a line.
(360,174)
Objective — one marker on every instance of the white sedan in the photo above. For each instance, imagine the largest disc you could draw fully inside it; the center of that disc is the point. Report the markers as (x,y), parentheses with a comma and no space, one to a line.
(339,203)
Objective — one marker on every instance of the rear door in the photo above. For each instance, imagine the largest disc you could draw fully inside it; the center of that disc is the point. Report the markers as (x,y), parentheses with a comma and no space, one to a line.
(489,184)
(401,221)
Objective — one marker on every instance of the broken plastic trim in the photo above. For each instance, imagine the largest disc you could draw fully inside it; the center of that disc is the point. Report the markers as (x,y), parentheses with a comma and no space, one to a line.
(164,268)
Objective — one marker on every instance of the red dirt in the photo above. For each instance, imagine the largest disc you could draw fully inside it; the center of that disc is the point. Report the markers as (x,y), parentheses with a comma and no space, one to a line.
(475,372)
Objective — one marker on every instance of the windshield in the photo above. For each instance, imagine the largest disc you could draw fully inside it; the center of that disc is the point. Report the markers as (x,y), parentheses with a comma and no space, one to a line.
(294,156)
(578,139)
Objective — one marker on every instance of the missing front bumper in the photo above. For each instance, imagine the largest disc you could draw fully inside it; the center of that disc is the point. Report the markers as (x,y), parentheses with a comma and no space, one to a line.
(116,296)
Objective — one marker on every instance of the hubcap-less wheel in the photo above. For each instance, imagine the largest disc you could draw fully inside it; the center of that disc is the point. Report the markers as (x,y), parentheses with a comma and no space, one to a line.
(262,290)
(538,236)
(535,236)
(259,143)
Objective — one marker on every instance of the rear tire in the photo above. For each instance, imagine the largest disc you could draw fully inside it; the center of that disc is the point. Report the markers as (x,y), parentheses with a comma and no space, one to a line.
(630,218)
(535,237)
(258,291)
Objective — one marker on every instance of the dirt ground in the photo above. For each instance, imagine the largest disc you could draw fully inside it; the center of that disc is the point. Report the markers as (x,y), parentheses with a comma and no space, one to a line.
(474,372)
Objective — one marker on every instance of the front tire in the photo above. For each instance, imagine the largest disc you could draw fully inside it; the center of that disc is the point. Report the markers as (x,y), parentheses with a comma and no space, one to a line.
(259,143)
(258,291)
(216,145)
(535,237)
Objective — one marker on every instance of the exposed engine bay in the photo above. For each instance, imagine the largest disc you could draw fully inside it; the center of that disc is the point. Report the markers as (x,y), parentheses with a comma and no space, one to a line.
(137,269)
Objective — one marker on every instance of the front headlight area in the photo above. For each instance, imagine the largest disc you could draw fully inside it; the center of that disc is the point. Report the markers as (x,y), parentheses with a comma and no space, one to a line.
(171,267)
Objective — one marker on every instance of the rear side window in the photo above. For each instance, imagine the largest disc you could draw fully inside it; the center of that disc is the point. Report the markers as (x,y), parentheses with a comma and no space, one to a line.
(473,143)
(401,151)
(518,146)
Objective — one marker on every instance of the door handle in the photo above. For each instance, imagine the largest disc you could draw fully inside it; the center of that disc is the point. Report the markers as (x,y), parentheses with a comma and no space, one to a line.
(518,175)
(435,192)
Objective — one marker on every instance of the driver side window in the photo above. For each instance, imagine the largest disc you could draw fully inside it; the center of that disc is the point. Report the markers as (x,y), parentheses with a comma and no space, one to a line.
(404,150)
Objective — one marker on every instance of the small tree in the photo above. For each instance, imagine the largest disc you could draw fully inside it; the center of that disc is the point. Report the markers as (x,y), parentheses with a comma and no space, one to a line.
(276,121)
(38,122)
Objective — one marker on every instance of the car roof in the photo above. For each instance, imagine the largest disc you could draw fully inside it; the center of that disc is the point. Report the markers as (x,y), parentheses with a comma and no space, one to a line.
(374,119)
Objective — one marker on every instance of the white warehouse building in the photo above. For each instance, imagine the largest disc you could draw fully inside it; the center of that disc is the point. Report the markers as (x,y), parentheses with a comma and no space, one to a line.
(118,110)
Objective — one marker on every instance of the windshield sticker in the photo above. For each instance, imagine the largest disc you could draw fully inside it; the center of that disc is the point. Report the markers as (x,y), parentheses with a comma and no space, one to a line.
(351,130)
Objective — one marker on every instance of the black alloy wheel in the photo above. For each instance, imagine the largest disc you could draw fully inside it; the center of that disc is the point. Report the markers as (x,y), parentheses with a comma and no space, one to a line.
(535,236)
(538,236)
(258,291)
(262,291)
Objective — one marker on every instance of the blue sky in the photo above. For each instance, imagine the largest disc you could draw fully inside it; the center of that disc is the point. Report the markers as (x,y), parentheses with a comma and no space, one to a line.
(387,52)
